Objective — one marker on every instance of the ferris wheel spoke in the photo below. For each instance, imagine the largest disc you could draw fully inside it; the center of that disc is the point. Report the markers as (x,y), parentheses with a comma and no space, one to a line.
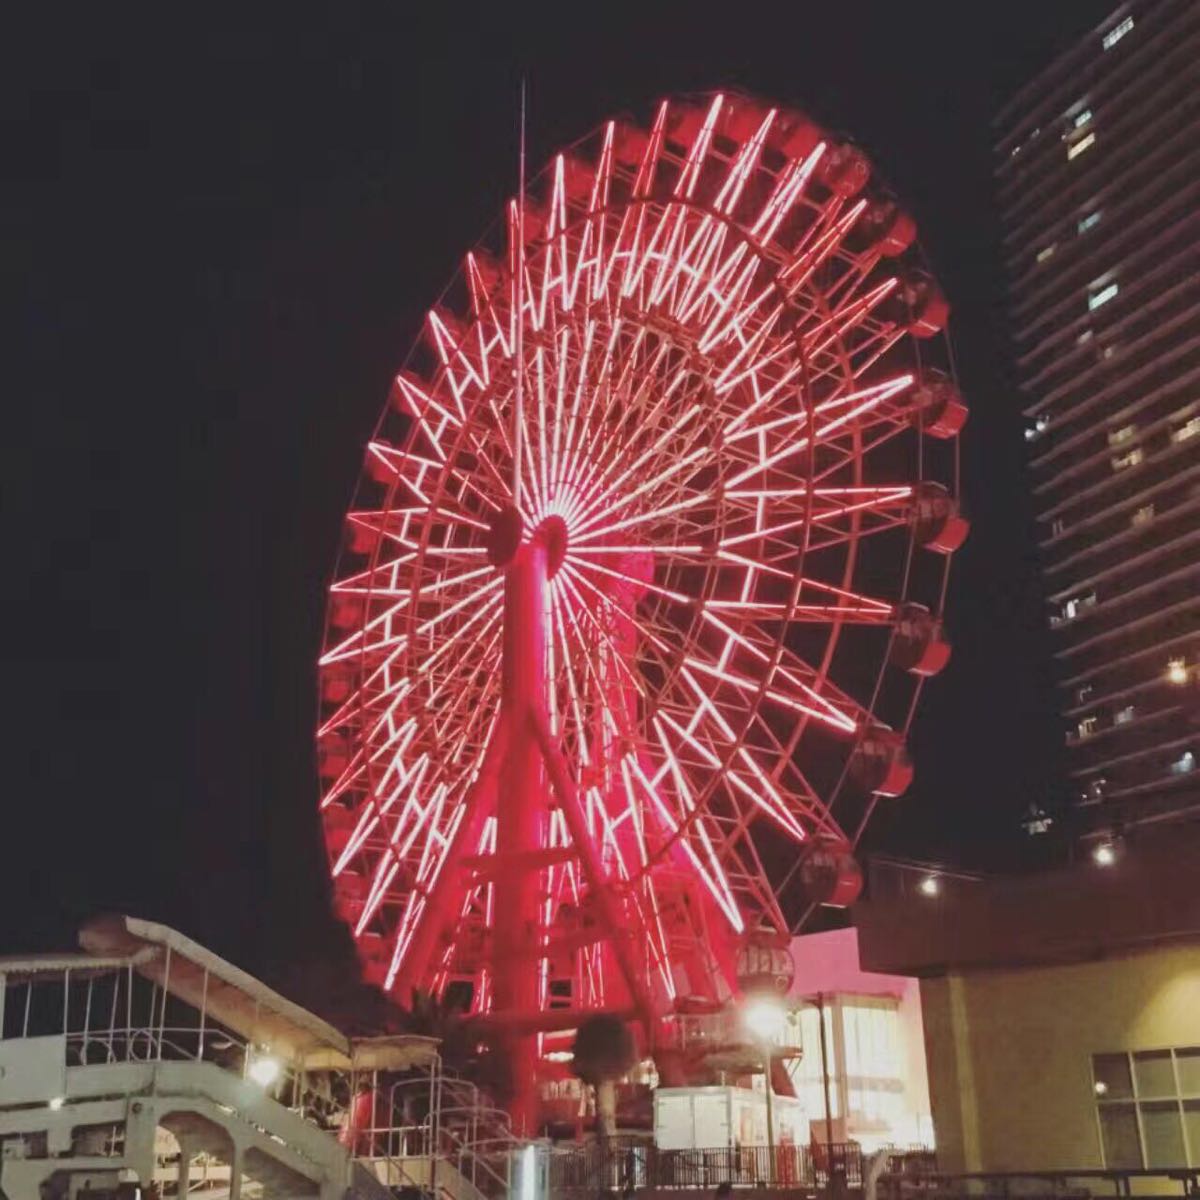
(594,489)
(843,320)
(570,577)
(803,696)
(806,265)
(716,391)
(758,787)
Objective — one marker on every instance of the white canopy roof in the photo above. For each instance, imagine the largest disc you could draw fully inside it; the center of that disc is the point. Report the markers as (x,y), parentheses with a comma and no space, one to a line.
(240,1002)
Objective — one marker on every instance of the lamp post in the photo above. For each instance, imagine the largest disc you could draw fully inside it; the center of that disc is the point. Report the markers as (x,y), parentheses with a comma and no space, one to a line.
(764,1018)
(825,1088)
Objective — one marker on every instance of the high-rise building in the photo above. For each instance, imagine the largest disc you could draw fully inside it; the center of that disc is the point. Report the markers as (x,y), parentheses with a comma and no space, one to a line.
(1099,192)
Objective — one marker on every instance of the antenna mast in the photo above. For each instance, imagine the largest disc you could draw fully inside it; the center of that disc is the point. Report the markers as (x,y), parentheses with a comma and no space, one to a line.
(519,306)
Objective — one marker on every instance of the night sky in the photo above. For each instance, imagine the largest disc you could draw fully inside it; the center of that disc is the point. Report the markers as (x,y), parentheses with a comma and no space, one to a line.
(223,238)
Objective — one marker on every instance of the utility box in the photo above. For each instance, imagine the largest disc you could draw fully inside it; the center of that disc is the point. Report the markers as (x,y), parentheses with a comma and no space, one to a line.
(712,1118)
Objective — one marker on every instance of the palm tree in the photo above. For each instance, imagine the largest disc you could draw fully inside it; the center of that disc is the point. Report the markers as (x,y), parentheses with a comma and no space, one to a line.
(604,1051)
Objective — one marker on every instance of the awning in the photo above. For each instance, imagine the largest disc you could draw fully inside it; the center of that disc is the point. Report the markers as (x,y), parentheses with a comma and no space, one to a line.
(233,997)
(26,966)
(396,1052)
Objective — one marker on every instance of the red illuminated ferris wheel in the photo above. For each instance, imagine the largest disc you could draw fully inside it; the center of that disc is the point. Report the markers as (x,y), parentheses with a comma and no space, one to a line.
(641,583)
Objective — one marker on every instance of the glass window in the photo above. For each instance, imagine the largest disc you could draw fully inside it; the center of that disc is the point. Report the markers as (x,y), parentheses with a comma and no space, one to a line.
(1117,436)
(1153,1072)
(1075,149)
(1116,33)
(1185,764)
(1103,296)
(1119,1135)
(1122,461)
(1191,1123)
(1162,1130)
(1191,429)
(1086,223)
(806,1072)
(1081,119)
(1046,251)
(1187,1063)
(1111,1073)
(1162,1127)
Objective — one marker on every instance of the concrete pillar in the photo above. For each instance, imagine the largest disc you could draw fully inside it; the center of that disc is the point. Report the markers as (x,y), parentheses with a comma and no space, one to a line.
(185,1167)
(235,1172)
(141,1122)
(944,1007)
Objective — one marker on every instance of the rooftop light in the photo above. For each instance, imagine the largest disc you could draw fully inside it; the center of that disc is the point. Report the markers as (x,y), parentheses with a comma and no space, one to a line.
(930,885)
(1105,854)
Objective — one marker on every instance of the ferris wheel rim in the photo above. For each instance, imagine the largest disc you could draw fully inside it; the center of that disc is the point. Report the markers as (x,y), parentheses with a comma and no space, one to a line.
(831,640)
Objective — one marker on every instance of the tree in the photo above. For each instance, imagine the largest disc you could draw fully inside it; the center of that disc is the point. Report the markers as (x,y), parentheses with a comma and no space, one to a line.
(604,1050)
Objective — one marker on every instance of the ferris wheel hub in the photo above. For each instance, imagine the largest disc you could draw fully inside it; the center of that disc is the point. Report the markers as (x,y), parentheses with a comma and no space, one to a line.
(553,532)
(504,535)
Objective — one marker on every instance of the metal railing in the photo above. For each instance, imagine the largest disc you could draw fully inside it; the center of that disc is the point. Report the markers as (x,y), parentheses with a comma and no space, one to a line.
(640,1164)
(459,1128)
(1039,1185)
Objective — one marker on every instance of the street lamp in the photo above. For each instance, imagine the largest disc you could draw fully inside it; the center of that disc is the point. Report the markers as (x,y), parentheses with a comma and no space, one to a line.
(765,1019)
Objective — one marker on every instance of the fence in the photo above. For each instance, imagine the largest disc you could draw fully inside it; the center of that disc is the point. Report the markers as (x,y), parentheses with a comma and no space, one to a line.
(1145,1183)
(638,1164)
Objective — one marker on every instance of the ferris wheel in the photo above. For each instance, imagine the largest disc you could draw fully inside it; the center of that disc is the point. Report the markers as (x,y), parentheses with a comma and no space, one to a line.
(643,575)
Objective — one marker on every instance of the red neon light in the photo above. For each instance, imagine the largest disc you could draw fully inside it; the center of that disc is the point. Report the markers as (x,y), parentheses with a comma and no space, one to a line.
(709,362)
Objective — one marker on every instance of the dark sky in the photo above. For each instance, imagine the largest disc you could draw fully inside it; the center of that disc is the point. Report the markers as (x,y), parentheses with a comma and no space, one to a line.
(223,236)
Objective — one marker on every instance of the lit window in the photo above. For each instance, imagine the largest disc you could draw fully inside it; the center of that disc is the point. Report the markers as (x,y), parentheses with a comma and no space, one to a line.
(1077,604)
(1057,527)
(1081,119)
(1143,514)
(1177,672)
(1088,222)
(1085,337)
(1191,429)
(1114,35)
(1185,764)
(1083,692)
(1046,251)
(1125,715)
(1117,436)
(1075,149)
(1103,296)
(1108,352)
(1124,461)
(1086,727)
(1039,427)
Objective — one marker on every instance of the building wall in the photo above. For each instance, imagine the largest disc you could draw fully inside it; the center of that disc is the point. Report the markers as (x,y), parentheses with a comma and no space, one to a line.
(828,963)
(1098,185)
(1009,1052)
